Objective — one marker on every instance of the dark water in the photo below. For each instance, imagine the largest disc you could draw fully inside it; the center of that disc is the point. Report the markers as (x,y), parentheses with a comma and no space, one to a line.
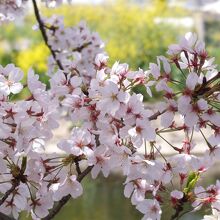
(103,199)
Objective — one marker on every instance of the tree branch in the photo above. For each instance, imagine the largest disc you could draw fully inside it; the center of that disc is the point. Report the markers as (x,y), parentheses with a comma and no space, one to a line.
(78,170)
(156,115)
(80,48)
(84,173)
(15,183)
(44,34)
(58,207)
(179,208)
(5,217)
(65,199)
(81,175)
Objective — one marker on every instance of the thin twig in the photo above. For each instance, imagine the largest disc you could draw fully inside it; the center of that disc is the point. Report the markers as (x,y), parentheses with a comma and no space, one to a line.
(80,48)
(175,148)
(156,115)
(15,183)
(76,49)
(44,34)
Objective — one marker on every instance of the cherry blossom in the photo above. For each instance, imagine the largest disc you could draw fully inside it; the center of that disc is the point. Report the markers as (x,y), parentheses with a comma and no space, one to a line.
(111,126)
(150,208)
(9,81)
(69,186)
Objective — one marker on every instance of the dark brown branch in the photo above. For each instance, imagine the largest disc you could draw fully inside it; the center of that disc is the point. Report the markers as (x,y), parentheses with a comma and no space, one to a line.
(213,79)
(78,170)
(5,217)
(177,213)
(205,89)
(84,173)
(80,48)
(65,199)
(77,49)
(58,207)
(15,183)
(156,115)
(179,208)
(44,34)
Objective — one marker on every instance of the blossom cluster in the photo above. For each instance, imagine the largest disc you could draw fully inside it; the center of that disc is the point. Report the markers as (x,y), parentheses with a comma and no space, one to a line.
(76,48)
(9,9)
(111,126)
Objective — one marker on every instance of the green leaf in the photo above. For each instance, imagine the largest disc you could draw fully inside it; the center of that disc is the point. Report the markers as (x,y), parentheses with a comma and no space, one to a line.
(191,182)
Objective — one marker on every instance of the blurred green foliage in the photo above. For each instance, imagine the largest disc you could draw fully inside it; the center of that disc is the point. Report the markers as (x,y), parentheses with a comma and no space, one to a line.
(212,38)
(129,31)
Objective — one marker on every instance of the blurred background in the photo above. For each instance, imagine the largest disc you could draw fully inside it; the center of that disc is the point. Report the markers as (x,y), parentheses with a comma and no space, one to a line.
(135,32)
